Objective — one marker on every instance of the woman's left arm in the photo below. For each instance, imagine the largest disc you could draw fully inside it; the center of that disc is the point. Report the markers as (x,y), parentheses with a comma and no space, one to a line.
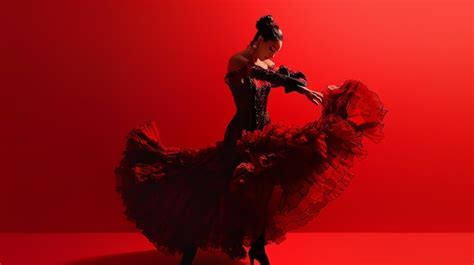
(314,96)
(282,69)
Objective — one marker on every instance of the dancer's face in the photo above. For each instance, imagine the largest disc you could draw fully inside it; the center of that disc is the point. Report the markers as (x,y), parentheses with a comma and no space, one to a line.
(267,49)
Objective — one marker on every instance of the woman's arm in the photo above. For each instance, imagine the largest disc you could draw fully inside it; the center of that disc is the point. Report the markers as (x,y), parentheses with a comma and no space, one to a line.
(283,77)
(313,96)
(277,78)
(282,69)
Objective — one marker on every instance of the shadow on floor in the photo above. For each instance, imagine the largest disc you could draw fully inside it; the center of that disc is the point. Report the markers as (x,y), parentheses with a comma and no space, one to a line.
(153,257)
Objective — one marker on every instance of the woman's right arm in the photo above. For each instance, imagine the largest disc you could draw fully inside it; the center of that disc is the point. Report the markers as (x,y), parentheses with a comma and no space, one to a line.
(277,79)
(290,80)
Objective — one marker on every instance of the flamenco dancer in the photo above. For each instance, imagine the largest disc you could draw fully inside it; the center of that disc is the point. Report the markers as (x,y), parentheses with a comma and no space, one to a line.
(263,179)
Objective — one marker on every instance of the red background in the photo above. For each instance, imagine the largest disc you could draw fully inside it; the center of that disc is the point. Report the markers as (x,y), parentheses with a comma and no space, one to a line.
(77,76)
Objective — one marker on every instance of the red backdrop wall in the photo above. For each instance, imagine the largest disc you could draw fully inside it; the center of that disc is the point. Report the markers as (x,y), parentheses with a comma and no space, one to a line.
(77,76)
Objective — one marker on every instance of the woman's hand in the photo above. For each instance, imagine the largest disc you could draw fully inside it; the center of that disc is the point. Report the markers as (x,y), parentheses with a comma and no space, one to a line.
(315,96)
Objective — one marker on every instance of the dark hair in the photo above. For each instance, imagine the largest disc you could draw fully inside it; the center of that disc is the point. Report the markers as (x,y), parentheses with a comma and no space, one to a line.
(268,29)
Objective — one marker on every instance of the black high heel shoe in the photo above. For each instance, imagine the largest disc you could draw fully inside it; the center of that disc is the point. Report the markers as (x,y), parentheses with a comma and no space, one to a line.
(260,255)
(257,251)
(188,256)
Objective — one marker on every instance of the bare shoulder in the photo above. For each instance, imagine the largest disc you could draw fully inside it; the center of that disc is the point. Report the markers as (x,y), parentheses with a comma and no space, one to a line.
(236,62)
(269,63)
(265,64)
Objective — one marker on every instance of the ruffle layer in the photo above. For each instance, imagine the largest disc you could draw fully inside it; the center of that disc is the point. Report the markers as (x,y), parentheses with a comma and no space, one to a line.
(274,180)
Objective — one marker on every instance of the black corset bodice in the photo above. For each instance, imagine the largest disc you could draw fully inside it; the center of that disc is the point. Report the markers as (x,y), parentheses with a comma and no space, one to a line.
(258,103)
(250,98)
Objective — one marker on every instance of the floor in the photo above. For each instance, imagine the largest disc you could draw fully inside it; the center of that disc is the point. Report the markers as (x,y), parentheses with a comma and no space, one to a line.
(298,248)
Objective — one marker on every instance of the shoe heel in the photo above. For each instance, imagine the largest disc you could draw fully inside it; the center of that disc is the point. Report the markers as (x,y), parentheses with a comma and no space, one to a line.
(188,256)
(260,256)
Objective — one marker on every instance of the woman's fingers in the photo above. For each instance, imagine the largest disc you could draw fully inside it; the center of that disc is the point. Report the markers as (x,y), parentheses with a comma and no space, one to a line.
(317,93)
(317,100)
(319,96)
(311,97)
(315,96)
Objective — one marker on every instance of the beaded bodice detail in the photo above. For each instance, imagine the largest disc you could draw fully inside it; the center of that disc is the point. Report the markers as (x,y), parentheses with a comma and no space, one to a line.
(250,98)
(259,101)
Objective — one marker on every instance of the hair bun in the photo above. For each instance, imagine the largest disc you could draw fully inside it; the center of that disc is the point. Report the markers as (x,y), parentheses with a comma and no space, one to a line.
(265,22)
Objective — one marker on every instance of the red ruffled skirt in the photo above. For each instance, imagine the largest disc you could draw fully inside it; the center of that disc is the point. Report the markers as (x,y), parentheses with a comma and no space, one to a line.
(273,180)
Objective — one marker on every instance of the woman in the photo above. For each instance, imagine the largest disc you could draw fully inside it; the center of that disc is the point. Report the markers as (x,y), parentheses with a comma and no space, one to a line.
(263,179)
(252,62)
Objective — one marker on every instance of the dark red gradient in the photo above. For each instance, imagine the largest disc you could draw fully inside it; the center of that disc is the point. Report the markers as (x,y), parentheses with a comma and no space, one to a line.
(77,76)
